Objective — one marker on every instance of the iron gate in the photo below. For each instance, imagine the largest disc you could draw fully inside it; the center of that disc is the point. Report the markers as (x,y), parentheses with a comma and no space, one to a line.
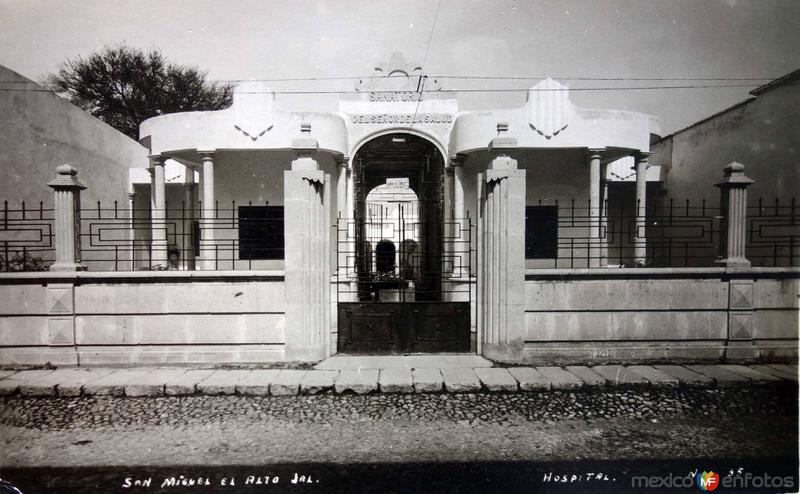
(404,283)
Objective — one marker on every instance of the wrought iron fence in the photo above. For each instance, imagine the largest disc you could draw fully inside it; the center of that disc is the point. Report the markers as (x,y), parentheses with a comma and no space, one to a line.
(773,233)
(240,236)
(118,236)
(26,237)
(673,234)
(404,259)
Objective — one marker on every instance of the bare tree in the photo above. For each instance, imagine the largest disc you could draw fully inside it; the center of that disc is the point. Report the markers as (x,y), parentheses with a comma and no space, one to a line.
(123,86)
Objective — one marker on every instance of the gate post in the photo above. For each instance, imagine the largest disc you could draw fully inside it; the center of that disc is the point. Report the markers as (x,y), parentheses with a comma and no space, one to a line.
(67,189)
(307,206)
(501,258)
(733,190)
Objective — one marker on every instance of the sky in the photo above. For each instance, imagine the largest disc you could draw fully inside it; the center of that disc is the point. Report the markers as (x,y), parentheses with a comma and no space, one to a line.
(524,39)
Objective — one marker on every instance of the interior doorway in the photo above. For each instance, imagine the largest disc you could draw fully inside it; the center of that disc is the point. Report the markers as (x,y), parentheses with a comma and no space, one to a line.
(396,299)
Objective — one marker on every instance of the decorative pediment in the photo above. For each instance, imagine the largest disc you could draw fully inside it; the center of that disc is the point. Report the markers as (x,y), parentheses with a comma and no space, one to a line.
(253,106)
(395,80)
(548,107)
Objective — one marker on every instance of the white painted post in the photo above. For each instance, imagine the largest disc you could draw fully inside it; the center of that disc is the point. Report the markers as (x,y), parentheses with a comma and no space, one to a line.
(187,244)
(604,215)
(594,207)
(640,239)
(733,190)
(307,200)
(501,251)
(158,213)
(208,259)
(67,192)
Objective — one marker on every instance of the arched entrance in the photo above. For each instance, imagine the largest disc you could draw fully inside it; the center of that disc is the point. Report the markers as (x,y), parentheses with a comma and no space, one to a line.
(402,305)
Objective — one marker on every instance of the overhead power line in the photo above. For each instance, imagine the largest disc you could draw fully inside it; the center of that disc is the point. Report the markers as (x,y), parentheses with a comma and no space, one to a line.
(472,90)
(472,77)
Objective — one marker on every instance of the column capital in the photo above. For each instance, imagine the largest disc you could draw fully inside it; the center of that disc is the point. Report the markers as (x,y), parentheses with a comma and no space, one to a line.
(502,144)
(642,155)
(66,179)
(305,147)
(157,159)
(457,159)
(342,160)
(207,153)
(595,153)
(734,177)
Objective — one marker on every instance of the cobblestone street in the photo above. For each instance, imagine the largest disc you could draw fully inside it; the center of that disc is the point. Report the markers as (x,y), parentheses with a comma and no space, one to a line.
(119,435)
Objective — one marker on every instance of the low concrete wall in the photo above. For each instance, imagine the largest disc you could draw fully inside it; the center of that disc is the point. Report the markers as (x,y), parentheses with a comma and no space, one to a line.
(711,314)
(141,317)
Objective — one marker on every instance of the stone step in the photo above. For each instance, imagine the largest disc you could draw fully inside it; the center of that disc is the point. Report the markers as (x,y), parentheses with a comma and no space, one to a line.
(63,382)
(496,379)
(655,376)
(257,382)
(590,378)
(221,382)
(396,381)
(529,379)
(427,380)
(618,375)
(10,384)
(460,380)
(724,378)
(753,375)
(355,362)
(768,369)
(152,383)
(288,382)
(685,376)
(114,383)
(318,381)
(358,381)
(186,384)
(558,378)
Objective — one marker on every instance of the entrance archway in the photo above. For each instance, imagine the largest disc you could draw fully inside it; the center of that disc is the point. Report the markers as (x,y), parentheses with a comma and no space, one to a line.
(417,160)
(400,307)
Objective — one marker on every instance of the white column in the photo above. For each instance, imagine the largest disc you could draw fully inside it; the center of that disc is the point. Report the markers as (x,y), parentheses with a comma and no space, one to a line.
(458,188)
(341,186)
(307,263)
(640,239)
(604,215)
(208,259)
(450,226)
(349,225)
(187,252)
(341,217)
(67,199)
(132,228)
(158,214)
(501,260)
(594,207)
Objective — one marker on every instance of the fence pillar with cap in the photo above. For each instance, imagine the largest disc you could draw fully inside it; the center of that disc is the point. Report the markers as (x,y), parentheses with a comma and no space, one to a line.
(501,258)
(307,203)
(733,200)
(67,190)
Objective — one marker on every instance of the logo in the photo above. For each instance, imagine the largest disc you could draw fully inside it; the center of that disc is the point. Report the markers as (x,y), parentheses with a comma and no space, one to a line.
(707,481)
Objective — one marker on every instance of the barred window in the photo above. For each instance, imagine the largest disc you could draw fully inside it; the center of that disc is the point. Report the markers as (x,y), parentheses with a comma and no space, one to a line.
(541,232)
(261,232)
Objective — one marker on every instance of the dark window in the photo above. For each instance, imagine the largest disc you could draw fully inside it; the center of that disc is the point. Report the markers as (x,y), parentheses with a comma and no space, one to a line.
(541,232)
(196,237)
(384,256)
(260,232)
